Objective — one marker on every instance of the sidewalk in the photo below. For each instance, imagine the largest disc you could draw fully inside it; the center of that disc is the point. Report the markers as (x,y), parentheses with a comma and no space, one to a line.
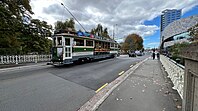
(147,89)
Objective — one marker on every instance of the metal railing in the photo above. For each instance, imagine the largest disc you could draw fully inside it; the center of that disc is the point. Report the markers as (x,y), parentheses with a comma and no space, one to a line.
(15,59)
(175,73)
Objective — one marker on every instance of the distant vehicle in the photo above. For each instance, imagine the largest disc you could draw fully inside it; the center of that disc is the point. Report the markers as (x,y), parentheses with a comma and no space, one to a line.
(139,53)
(69,47)
(132,54)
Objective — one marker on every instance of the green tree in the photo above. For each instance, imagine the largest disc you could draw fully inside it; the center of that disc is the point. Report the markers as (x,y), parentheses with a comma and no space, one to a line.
(18,37)
(12,13)
(65,25)
(176,50)
(34,37)
(93,31)
(105,33)
(100,31)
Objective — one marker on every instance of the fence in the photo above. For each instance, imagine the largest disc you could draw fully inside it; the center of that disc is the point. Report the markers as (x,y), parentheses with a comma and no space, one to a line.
(15,59)
(175,72)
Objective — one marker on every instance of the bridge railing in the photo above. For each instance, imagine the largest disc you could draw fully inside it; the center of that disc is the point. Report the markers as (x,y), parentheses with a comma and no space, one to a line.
(175,72)
(15,59)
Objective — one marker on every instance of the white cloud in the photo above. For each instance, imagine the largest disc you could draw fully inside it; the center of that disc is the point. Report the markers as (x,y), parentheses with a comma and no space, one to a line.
(156,44)
(128,14)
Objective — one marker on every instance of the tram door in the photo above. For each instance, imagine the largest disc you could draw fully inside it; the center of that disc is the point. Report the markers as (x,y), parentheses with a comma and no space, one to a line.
(68,48)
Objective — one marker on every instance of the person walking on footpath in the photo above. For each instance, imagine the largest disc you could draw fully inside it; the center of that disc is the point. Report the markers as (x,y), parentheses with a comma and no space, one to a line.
(153,55)
(158,55)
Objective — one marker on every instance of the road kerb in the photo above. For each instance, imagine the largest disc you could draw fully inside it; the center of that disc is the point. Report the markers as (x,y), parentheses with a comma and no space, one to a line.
(101,87)
(122,72)
(100,97)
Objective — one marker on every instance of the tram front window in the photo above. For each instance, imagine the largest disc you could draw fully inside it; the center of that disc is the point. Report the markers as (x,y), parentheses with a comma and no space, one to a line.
(67,41)
(59,40)
(54,41)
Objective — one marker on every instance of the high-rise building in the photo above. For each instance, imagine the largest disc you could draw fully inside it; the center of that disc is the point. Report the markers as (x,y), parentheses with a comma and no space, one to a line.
(168,16)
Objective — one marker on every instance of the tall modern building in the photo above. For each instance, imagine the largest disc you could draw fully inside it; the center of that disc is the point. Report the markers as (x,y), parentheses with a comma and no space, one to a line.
(168,16)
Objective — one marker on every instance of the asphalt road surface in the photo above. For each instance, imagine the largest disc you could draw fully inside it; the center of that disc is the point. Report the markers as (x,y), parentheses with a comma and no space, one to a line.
(49,88)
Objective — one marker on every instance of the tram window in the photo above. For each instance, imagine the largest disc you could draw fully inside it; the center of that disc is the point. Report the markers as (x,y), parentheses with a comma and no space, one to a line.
(67,41)
(116,45)
(97,44)
(54,41)
(79,42)
(108,45)
(89,43)
(59,40)
(112,44)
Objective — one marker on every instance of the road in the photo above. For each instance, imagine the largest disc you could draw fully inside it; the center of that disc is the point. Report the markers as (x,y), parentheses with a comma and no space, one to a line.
(48,88)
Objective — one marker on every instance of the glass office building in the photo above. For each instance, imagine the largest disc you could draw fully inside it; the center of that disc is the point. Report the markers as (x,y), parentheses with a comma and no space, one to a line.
(168,16)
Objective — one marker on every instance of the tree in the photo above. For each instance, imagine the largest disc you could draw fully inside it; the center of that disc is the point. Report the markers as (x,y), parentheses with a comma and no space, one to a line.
(34,37)
(93,31)
(11,24)
(100,32)
(194,32)
(176,50)
(64,25)
(125,47)
(133,42)
(18,37)
(40,28)
(105,33)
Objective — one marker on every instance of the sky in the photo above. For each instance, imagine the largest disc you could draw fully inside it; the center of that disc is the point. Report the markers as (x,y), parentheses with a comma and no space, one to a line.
(127,16)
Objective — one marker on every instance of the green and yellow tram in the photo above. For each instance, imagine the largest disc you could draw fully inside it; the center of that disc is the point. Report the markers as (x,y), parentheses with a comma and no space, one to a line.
(68,47)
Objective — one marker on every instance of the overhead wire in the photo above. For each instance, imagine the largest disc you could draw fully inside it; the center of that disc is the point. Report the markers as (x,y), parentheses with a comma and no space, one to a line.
(72,15)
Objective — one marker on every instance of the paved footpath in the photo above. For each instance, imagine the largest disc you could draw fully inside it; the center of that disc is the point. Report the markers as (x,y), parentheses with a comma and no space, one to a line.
(147,89)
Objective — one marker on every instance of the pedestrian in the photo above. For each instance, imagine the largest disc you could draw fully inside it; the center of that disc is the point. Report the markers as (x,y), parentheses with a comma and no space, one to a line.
(158,55)
(153,55)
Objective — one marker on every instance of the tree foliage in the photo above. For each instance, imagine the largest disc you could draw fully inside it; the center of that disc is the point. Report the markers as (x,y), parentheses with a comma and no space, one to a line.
(16,37)
(100,31)
(133,42)
(194,32)
(69,23)
(176,50)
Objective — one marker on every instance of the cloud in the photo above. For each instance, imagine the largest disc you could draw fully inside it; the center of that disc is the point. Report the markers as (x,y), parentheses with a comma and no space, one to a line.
(156,44)
(129,15)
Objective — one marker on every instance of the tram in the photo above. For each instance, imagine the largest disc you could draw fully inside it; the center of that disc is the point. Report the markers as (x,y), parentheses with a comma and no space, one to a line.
(70,47)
